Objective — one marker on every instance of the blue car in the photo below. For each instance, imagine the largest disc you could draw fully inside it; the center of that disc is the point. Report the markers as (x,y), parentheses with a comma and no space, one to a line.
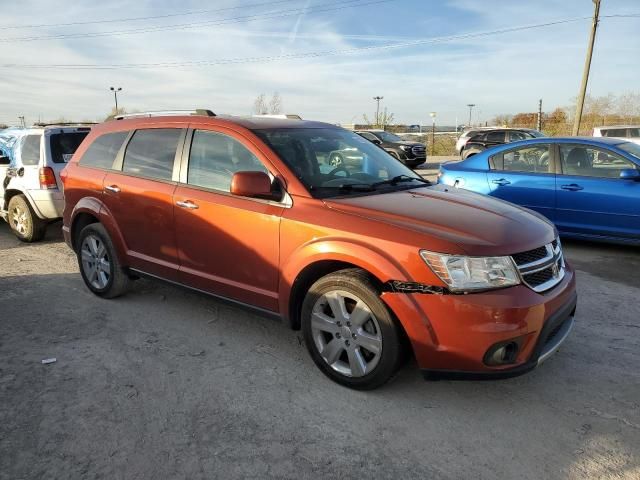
(588,187)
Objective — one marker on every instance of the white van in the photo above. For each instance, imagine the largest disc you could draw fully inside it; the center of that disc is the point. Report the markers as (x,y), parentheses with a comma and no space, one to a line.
(30,163)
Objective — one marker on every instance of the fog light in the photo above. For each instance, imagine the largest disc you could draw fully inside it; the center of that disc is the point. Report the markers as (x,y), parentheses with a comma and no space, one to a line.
(502,353)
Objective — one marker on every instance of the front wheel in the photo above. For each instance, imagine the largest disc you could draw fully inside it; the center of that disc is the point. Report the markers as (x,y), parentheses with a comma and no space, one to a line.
(99,264)
(349,332)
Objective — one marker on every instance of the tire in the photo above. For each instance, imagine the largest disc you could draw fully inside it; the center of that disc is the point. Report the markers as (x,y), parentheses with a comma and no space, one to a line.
(346,352)
(470,153)
(336,160)
(99,264)
(24,222)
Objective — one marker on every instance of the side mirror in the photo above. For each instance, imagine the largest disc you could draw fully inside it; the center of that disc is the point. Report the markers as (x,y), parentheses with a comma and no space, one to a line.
(630,174)
(377,142)
(4,160)
(251,184)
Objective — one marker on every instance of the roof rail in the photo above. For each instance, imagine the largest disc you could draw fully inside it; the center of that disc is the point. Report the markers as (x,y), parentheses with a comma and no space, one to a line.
(289,116)
(62,124)
(163,113)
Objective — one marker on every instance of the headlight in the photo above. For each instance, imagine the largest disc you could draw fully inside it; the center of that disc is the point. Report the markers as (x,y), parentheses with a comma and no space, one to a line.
(405,147)
(472,273)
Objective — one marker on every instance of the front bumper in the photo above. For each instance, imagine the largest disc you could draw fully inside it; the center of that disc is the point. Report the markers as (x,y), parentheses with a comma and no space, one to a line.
(451,334)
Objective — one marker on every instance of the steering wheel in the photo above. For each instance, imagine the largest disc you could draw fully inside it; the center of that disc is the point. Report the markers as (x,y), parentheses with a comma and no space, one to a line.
(339,168)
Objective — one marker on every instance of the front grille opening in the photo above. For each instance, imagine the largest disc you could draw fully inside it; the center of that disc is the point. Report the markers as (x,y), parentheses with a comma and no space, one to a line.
(530,256)
(538,278)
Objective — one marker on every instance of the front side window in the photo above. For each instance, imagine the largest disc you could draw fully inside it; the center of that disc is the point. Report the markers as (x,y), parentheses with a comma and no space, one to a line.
(102,152)
(215,157)
(64,145)
(151,153)
(532,159)
(387,137)
(333,162)
(592,162)
(31,150)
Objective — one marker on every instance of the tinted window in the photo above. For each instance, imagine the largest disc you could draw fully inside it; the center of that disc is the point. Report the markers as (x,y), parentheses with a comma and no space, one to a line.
(215,157)
(369,136)
(151,153)
(615,132)
(31,150)
(533,159)
(64,145)
(516,136)
(495,137)
(102,152)
(592,162)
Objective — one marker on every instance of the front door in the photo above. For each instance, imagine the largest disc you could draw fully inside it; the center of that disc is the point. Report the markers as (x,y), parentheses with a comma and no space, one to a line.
(228,245)
(140,199)
(592,198)
(524,176)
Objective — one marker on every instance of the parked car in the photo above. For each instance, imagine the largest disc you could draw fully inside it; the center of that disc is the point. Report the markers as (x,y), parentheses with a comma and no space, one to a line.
(630,133)
(488,138)
(590,188)
(30,163)
(372,265)
(467,134)
(412,154)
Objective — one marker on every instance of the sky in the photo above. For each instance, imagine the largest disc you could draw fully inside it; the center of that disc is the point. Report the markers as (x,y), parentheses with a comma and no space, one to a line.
(350,62)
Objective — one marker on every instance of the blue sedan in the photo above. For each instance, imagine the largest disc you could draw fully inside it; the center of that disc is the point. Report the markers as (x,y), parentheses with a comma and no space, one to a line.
(589,187)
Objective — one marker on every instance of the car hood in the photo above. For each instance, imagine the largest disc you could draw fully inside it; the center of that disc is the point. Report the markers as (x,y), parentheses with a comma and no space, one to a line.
(477,224)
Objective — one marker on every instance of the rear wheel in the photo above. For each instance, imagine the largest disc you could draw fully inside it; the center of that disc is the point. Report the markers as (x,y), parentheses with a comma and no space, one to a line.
(349,332)
(23,220)
(99,264)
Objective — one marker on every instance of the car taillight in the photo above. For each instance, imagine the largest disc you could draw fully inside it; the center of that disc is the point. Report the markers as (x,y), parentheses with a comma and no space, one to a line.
(47,178)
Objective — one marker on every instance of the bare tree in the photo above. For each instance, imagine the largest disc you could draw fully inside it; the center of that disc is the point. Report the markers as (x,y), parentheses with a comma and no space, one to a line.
(384,118)
(275,105)
(260,105)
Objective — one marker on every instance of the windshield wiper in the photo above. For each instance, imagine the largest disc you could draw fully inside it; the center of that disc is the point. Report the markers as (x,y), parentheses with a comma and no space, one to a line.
(400,179)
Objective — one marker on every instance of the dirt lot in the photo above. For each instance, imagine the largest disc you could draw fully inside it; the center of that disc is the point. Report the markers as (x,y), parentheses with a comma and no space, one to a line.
(165,383)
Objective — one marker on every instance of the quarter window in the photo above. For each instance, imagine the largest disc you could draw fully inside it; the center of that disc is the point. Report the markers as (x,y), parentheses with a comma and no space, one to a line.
(592,162)
(103,151)
(517,136)
(31,150)
(533,159)
(151,153)
(215,157)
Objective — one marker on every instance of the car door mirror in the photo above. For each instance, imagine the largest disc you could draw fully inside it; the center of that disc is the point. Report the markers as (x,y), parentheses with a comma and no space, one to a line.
(630,174)
(4,160)
(377,142)
(252,184)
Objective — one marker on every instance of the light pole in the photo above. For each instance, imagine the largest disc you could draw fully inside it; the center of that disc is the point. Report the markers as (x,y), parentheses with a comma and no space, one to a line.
(377,99)
(587,69)
(470,105)
(115,95)
(433,131)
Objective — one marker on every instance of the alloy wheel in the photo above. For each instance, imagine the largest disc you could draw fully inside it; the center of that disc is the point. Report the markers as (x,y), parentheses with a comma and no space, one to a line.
(346,333)
(19,220)
(95,261)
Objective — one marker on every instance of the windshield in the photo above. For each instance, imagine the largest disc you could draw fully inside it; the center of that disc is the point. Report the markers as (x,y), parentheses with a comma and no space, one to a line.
(333,162)
(632,148)
(387,137)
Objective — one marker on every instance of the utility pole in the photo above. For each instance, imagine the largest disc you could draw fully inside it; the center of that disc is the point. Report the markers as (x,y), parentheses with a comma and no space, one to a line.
(433,131)
(471,105)
(377,99)
(115,95)
(540,115)
(587,69)
(22,122)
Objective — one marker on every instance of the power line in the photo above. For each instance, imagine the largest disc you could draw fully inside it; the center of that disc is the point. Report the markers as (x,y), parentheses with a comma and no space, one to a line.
(152,17)
(301,55)
(337,5)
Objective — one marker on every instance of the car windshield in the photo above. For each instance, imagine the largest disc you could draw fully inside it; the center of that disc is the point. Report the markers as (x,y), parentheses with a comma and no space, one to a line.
(387,137)
(631,148)
(333,162)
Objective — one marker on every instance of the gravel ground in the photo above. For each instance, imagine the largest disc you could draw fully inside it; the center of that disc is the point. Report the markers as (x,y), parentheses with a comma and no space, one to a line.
(166,383)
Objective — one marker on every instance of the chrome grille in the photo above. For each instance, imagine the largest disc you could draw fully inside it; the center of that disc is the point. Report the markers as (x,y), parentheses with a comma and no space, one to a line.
(419,151)
(541,268)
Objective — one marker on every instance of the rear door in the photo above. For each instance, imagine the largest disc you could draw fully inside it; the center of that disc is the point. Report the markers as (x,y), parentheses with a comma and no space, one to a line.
(592,199)
(228,245)
(524,176)
(139,196)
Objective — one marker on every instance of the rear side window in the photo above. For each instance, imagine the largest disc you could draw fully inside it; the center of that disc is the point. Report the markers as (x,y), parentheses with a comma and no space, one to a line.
(533,159)
(495,137)
(31,150)
(64,145)
(615,132)
(102,152)
(151,153)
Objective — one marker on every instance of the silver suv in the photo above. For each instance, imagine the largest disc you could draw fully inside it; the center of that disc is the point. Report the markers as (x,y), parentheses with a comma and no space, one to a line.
(30,163)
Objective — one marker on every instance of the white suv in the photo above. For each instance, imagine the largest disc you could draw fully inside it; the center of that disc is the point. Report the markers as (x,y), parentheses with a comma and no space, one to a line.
(630,133)
(30,163)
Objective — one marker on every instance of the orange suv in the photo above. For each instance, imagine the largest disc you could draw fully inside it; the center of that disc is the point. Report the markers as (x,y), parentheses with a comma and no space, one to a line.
(371,261)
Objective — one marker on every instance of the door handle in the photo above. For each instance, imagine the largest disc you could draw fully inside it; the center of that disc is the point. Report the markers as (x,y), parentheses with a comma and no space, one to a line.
(187,204)
(502,182)
(574,187)
(112,188)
